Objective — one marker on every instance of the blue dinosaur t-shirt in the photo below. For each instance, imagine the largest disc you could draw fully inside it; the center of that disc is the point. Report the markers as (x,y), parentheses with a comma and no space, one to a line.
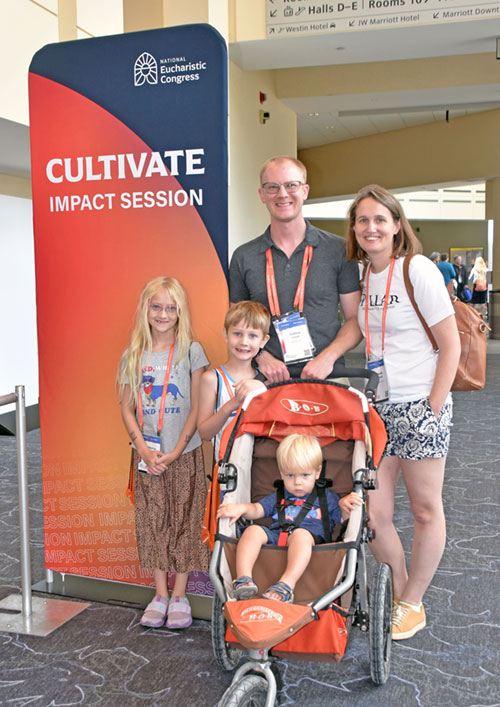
(178,400)
(313,519)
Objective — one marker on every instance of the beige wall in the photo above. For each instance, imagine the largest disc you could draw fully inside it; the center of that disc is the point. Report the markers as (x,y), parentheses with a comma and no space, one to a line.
(24,28)
(15,186)
(387,76)
(250,144)
(248,20)
(466,148)
(434,235)
(493,212)
(147,14)
(250,141)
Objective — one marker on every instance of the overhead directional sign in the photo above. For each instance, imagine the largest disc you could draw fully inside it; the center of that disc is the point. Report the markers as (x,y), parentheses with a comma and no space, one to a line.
(295,17)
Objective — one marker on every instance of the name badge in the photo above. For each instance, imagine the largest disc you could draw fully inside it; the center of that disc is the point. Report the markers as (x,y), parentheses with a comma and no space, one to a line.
(376,363)
(153,442)
(294,337)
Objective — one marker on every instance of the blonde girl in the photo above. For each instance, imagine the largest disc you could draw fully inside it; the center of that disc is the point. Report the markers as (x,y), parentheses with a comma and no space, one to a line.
(159,377)
(479,285)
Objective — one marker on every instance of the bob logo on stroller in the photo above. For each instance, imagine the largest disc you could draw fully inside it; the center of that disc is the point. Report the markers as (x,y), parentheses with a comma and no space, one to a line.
(260,613)
(305,407)
(259,625)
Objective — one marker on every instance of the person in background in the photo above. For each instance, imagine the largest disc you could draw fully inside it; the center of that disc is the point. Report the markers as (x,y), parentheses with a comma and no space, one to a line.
(447,271)
(460,277)
(435,257)
(479,285)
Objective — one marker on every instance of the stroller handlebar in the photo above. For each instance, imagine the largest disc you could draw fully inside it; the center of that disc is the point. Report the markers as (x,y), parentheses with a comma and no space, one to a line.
(370,376)
(339,371)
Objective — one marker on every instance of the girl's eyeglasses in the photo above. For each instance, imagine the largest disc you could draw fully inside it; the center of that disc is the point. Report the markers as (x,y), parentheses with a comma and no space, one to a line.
(158,308)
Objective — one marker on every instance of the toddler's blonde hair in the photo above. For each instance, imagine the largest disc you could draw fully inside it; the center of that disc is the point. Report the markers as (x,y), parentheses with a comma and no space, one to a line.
(302,452)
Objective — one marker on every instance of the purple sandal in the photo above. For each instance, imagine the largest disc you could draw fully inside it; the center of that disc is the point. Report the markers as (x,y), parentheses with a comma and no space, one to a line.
(179,613)
(155,612)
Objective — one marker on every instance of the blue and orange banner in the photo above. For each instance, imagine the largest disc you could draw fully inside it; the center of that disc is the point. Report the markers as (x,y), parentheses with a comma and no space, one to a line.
(129,171)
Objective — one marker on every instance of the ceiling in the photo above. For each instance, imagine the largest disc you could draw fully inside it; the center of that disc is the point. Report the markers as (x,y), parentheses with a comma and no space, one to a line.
(322,119)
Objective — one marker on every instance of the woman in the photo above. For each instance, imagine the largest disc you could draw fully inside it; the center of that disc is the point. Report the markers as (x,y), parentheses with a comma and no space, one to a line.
(479,286)
(413,393)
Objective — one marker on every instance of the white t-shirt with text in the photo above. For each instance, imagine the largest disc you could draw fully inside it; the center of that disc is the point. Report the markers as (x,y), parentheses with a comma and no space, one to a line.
(409,359)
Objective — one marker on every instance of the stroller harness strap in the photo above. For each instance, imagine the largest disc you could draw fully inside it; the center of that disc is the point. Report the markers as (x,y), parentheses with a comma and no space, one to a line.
(286,526)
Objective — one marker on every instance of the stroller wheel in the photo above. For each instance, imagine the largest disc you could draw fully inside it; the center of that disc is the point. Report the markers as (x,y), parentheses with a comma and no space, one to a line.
(381,624)
(227,656)
(250,691)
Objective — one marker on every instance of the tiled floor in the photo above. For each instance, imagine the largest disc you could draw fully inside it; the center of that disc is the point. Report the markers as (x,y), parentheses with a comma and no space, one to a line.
(103,657)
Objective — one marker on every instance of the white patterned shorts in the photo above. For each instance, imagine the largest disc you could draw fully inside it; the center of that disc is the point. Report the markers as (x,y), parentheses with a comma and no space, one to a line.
(413,431)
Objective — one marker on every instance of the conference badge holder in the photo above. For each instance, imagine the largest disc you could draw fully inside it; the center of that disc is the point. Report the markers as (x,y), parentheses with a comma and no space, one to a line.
(376,363)
(153,442)
(294,337)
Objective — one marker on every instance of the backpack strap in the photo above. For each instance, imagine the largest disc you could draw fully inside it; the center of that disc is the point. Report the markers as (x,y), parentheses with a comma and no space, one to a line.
(222,380)
(411,295)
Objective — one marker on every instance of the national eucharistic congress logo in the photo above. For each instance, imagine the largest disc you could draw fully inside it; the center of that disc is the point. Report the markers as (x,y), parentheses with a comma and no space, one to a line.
(145,69)
(168,70)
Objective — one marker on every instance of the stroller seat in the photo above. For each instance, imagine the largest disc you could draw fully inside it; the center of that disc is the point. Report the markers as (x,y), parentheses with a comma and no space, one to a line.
(327,559)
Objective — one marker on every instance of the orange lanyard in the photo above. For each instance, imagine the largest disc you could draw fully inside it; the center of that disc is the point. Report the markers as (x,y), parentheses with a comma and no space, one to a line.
(384,311)
(161,414)
(272,292)
(229,388)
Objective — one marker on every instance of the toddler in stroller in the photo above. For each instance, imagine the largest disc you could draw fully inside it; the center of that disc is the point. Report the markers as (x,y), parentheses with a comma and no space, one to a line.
(303,513)
(331,595)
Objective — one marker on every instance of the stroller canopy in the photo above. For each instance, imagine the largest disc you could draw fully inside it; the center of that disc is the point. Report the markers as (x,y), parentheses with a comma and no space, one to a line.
(320,408)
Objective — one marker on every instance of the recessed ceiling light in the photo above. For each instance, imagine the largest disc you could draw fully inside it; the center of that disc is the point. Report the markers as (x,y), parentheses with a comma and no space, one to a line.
(313,115)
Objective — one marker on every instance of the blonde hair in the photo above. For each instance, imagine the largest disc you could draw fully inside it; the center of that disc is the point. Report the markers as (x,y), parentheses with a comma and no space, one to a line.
(405,241)
(253,314)
(141,339)
(301,452)
(280,159)
(479,264)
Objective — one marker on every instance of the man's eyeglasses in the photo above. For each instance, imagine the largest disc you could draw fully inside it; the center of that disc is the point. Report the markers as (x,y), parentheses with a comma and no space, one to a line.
(158,308)
(274,187)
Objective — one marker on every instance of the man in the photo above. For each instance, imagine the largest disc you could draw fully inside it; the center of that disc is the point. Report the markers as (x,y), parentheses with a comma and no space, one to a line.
(447,271)
(461,277)
(291,268)
(435,256)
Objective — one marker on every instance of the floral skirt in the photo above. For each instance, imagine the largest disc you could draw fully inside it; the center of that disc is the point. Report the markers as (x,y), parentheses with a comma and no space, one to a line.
(413,431)
(168,516)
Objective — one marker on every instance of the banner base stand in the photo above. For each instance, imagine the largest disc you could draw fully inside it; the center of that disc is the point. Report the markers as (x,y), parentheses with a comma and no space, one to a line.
(46,615)
(109,592)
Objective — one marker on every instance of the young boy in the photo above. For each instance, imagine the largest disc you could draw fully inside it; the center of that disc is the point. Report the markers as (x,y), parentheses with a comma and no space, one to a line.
(299,462)
(223,389)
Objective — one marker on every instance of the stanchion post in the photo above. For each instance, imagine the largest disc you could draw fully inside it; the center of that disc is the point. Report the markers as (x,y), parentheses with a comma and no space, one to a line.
(16,612)
(22,480)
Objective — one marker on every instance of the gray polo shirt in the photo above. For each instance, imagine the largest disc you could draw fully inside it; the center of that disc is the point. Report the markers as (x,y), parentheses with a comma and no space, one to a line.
(329,275)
